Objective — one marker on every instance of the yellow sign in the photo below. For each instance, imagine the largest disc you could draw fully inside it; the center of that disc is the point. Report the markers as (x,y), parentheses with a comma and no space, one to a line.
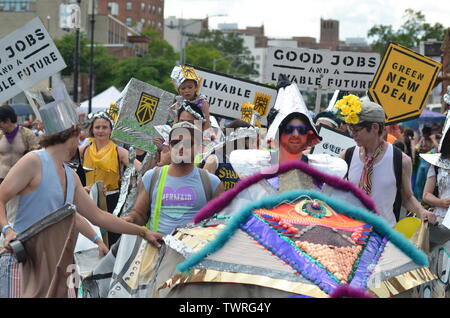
(146,108)
(261,102)
(247,111)
(113,111)
(403,82)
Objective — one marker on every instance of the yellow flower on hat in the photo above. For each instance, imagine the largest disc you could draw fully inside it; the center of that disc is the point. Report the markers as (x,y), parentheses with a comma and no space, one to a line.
(345,110)
(349,108)
(352,118)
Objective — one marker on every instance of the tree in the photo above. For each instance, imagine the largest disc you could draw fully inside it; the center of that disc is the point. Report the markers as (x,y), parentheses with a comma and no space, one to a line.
(228,49)
(414,30)
(153,68)
(103,62)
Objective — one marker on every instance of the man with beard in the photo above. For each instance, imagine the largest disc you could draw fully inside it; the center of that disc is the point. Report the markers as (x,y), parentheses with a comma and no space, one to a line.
(291,127)
(296,134)
(176,192)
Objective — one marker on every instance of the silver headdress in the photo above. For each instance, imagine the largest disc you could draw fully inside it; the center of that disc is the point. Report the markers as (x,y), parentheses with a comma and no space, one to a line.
(182,73)
(59,115)
(188,108)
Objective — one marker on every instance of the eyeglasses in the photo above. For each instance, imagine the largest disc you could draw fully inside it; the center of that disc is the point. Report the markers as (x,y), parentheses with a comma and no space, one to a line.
(301,129)
(355,128)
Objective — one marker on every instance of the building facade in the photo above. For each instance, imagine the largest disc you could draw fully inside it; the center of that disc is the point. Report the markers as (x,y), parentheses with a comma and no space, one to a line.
(138,14)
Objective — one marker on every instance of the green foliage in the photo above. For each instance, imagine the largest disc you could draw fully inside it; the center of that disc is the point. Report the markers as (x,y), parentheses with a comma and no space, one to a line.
(153,68)
(225,51)
(102,60)
(414,30)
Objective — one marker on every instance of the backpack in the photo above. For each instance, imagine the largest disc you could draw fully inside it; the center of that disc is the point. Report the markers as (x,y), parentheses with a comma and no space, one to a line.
(159,174)
(397,162)
(436,188)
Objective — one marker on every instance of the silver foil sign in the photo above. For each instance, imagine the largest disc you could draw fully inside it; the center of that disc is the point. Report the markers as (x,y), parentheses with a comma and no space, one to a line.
(142,107)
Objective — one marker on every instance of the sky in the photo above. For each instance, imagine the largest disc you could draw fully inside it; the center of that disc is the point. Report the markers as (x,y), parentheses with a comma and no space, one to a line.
(288,18)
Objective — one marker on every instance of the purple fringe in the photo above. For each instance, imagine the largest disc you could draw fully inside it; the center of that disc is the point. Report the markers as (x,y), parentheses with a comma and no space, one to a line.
(347,291)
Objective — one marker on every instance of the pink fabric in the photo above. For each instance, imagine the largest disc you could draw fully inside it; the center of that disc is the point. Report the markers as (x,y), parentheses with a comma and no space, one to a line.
(216,205)
(347,291)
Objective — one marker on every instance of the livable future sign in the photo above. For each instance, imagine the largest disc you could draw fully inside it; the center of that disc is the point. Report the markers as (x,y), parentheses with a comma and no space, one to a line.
(27,56)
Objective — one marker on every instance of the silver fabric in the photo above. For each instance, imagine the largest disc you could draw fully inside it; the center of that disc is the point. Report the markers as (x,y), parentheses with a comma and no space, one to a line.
(127,194)
(57,117)
(140,99)
(178,246)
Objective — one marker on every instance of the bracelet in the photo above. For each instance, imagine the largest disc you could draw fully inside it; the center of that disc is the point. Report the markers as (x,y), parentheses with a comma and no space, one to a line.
(7,226)
(142,233)
(95,238)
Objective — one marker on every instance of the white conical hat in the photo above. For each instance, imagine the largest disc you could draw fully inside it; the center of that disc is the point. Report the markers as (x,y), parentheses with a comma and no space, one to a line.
(435,158)
(289,100)
(332,102)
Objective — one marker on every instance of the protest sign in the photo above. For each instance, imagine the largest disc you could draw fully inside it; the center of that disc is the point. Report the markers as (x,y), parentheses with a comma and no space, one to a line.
(27,56)
(333,141)
(403,82)
(142,107)
(321,69)
(226,94)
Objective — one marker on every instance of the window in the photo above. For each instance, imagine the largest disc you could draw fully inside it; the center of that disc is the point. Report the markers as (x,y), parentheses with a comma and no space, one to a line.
(17,6)
(129,5)
(160,10)
(129,21)
(142,6)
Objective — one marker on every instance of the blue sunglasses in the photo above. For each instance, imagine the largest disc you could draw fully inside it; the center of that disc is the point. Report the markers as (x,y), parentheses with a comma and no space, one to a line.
(301,129)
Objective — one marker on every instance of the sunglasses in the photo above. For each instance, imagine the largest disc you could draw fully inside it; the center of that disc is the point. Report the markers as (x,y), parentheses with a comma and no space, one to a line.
(301,129)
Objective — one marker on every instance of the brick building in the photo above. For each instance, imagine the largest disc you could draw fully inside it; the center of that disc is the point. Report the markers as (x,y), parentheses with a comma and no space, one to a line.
(137,14)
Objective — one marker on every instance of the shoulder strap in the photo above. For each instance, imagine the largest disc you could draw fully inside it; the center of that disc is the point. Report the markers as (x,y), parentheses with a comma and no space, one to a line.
(155,176)
(348,159)
(204,175)
(159,196)
(398,158)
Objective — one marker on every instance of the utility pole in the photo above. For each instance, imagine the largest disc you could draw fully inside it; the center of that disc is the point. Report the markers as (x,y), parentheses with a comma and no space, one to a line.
(445,48)
(91,60)
(76,61)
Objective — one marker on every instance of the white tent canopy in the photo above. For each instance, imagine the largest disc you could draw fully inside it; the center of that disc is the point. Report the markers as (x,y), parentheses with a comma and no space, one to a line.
(101,101)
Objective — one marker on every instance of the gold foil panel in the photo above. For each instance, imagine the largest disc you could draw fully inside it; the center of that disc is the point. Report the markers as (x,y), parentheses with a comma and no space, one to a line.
(403,282)
(213,276)
(196,238)
(142,267)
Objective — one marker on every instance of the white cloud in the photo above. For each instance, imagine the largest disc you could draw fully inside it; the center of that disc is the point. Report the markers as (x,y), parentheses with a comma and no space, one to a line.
(287,18)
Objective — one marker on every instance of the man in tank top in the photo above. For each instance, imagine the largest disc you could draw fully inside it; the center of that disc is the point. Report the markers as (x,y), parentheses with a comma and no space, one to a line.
(44,184)
(371,164)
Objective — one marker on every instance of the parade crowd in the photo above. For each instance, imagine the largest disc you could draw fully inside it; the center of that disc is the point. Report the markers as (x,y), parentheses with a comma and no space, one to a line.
(42,168)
